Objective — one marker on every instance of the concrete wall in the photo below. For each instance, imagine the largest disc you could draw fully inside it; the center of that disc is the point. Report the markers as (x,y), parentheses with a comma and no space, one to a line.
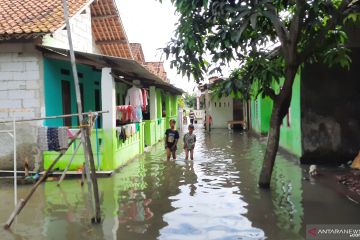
(81,33)
(330,106)
(221,111)
(21,89)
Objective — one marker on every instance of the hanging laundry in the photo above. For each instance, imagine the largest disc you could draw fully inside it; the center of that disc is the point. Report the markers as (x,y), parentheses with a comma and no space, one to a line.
(125,113)
(138,114)
(133,129)
(52,139)
(145,99)
(134,97)
(121,133)
(128,130)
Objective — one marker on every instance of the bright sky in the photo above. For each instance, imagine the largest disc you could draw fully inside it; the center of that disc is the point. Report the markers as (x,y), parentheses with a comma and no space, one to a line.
(152,24)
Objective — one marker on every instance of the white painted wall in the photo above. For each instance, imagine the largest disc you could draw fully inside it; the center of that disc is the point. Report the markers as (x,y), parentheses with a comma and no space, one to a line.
(108,98)
(221,111)
(21,89)
(81,34)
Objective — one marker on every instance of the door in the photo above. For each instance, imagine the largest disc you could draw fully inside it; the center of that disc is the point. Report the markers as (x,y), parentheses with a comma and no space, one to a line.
(66,101)
(238,112)
(98,105)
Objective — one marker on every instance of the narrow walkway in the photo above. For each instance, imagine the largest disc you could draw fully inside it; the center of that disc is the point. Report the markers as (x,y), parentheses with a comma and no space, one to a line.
(213,197)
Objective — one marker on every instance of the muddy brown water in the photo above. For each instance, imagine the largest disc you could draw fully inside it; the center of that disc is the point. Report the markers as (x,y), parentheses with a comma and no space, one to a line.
(213,197)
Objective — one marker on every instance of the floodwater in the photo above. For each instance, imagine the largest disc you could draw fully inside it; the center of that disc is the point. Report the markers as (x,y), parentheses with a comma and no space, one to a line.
(213,197)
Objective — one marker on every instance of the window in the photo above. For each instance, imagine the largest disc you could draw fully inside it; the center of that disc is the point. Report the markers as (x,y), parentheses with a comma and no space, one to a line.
(228,104)
(224,104)
(219,104)
(80,75)
(215,104)
(65,71)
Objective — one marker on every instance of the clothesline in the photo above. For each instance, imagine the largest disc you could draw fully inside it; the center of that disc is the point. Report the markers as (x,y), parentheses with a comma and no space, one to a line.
(54,117)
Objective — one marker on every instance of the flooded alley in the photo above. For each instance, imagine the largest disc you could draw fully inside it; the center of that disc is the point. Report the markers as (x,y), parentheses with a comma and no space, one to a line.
(213,197)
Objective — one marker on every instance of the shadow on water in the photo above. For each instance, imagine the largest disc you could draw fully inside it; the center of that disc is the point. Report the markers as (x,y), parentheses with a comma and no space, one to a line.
(214,197)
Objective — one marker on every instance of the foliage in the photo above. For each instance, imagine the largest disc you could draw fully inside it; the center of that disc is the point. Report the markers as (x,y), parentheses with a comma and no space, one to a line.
(264,38)
(181,102)
(190,100)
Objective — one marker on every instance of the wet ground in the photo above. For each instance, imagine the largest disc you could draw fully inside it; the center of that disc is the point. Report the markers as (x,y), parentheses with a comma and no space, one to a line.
(213,197)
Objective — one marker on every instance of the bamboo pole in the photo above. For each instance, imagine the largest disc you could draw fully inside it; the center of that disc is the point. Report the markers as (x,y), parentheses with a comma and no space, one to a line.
(67,166)
(23,202)
(51,117)
(84,136)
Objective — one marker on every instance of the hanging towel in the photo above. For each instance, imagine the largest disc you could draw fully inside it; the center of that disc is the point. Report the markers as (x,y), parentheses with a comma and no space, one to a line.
(137,127)
(52,139)
(128,132)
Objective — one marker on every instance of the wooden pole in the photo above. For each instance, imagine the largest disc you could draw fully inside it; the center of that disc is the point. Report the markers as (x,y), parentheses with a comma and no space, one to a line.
(97,218)
(84,136)
(67,166)
(23,202)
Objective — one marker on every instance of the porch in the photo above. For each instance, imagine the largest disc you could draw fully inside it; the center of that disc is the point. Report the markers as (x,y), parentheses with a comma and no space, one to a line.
(104,89)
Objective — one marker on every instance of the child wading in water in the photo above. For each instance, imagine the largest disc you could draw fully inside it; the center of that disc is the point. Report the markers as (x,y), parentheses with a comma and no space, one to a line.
(189,143)
(171,139)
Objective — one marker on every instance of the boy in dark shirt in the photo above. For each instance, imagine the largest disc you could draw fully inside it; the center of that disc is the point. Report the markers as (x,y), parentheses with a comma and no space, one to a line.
(171,139)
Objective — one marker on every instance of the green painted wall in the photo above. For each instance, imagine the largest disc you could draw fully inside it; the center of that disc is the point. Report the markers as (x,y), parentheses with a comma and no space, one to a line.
(53,76)
(260,114)
(290,136)
(113,152)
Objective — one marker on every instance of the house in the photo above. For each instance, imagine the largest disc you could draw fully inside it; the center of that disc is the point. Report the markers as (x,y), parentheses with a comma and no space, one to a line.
(322,124)
(36,78)
(222,110)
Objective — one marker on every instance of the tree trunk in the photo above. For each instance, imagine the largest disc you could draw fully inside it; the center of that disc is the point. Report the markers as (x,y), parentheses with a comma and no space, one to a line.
(271,148)
(280,109)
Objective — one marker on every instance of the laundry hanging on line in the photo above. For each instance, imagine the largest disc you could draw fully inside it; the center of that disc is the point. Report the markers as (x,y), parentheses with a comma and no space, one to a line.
(125,113)
(52,138)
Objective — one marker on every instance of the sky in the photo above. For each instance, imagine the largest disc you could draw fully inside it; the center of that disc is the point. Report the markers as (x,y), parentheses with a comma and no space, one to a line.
(152,24)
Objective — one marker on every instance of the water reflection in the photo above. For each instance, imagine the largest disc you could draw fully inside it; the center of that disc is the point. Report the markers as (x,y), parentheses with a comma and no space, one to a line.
(214,197)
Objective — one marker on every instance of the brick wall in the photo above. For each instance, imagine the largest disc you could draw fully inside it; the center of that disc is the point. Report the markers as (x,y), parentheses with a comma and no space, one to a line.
(20,80)
(21,87)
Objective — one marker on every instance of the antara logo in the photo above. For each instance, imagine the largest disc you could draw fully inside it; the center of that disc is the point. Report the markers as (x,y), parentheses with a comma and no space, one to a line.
(312,232)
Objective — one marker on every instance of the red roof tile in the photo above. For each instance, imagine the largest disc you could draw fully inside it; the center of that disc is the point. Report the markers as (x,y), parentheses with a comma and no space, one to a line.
(34,16)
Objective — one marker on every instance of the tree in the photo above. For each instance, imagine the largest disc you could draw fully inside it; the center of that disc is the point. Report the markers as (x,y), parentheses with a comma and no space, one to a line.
(181,102)
(269,39)
(190,100)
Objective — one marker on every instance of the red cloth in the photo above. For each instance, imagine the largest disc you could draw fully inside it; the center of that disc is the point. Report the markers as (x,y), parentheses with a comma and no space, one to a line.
(144,97)
(126,113)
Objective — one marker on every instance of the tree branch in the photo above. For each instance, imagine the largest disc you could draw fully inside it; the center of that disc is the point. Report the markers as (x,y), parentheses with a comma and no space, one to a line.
(297,24)
(280,28)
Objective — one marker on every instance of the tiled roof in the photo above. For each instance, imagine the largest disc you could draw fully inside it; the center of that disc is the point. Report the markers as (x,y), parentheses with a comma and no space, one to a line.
(109,32)
(137,52)
(158,69)
(33,17)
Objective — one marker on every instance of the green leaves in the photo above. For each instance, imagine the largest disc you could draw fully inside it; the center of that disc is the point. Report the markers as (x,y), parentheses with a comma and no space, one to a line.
(214,33)
(338,56)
